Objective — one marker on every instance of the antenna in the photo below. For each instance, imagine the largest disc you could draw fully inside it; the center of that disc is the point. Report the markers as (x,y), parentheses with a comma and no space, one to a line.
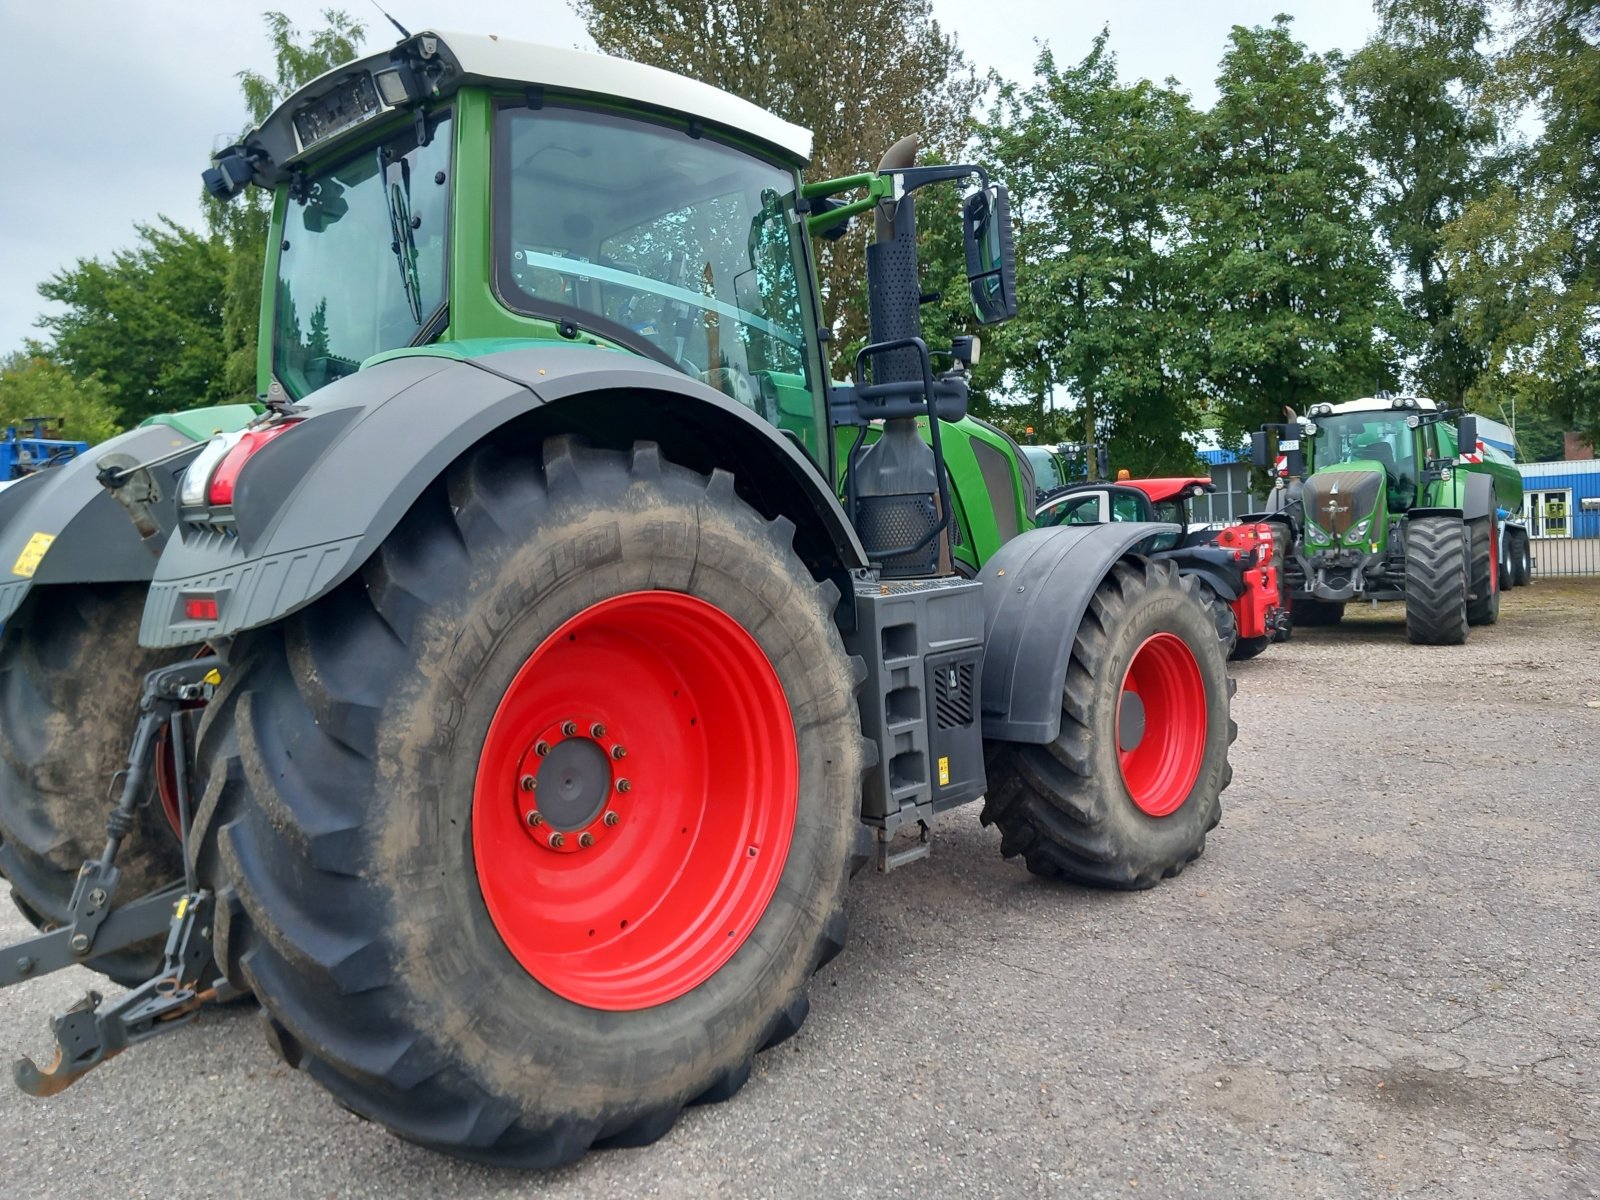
(404,32)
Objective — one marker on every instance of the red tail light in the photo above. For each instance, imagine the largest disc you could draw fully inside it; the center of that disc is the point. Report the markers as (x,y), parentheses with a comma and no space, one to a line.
(200,608)
(219,493)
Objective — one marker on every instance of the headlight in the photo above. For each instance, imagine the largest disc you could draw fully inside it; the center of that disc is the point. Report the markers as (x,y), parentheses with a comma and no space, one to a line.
(192,492)
(1357,533)
(1315,533)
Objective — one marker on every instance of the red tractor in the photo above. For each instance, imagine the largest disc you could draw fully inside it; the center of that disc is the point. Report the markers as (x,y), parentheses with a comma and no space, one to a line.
(1238,564)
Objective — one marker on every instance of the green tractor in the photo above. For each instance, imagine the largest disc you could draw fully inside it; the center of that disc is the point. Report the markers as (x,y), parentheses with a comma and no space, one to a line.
(505,705)
(1387,498)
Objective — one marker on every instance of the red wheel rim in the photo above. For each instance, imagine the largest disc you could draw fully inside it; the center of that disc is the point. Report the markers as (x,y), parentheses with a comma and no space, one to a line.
(1161,724)
(635,800)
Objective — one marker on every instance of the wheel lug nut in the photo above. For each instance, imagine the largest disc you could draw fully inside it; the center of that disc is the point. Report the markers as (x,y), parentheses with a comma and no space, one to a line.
(557,840)
(529,783)
(624,785)
(535,817)
(597,730)
(611,819)
(541,748)
(569,728)
(619,752)
(586,840)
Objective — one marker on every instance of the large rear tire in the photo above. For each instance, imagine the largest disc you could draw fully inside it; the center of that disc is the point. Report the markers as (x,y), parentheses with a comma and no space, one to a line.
(1483,604)
(1521,558)
(71,671)
(1221,614)
(1436,581)
(621,648)
(1127,792)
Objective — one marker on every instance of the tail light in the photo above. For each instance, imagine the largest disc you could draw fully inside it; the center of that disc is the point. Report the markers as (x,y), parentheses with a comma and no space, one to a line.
(213,475)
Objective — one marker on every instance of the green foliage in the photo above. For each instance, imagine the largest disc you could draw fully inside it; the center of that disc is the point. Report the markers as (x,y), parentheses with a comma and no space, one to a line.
(1101,175)
(1526,256)
(1297,304)
(1412,91)
(859,76)
(242,223)
(81,409)
(145,321)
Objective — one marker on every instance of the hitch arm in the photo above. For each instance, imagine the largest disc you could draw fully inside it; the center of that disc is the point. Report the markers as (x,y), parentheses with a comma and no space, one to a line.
(86,1037)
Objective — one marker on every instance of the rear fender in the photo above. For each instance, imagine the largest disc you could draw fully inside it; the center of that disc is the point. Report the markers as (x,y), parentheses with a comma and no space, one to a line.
(61,526)
(1215,568)
(1036,590)
(312,506)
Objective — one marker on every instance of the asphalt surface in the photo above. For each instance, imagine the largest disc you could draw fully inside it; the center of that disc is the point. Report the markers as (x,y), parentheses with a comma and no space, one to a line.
(1379,981)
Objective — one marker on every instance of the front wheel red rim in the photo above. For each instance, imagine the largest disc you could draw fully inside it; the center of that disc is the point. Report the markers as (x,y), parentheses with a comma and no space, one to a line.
(635,800)
(1161,724)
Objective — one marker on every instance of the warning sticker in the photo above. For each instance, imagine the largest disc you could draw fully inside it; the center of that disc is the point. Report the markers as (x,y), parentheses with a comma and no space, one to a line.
(32,555)
(944,772)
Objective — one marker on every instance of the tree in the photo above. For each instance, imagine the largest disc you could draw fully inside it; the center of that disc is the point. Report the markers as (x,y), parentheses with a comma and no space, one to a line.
(1298,305)
(1413,90)
(31,385)
(1527,255)
(242,222)
(1099,172)
(859,76)
(146,322)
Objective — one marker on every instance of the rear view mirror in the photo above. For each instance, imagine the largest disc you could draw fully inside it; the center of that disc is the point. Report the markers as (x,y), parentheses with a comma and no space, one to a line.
(991,256)
(1467,435)
(1260,452)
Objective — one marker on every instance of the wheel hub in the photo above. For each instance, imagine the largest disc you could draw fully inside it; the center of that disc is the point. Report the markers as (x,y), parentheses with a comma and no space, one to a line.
(568,786)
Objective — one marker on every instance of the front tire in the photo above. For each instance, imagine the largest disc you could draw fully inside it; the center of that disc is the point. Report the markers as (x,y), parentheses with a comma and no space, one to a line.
(1106,803)
(632,640)
(1436,581)
(71,672)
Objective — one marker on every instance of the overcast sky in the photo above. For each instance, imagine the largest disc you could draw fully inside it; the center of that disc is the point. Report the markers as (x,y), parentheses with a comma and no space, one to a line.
(113,106)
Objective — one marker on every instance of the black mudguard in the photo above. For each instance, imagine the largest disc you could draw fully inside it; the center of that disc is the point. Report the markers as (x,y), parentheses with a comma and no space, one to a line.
(1035,592)
(1214,567)
(61,526)
(313,505)
(1478,500)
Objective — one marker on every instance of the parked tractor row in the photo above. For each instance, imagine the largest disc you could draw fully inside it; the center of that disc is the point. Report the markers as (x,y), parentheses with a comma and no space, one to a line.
(505,703)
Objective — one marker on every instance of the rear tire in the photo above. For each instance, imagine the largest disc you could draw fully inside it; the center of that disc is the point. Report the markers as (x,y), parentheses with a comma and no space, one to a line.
(71,672)
(1248,648)
(1436,581)
(365,825)
(1079,808)
(1483,605)
(1221,614)
(1522,558)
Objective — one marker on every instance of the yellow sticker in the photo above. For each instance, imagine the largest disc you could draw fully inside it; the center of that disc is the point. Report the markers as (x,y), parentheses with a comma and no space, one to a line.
(32,555)
(944,772)
(213,677)
(183,907)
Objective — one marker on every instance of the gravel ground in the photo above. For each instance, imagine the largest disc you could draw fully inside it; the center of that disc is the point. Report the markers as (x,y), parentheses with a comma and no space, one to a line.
(1379,981)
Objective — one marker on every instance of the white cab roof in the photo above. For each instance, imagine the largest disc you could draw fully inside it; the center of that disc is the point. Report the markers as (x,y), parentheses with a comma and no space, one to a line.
(1370,404)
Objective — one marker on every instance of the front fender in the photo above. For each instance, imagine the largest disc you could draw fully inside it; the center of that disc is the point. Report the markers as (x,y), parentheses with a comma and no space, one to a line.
(1035,592)
(60,526)
(312,506)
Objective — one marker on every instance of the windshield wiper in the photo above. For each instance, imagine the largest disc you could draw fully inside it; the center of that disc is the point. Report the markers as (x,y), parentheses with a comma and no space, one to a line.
(398,198)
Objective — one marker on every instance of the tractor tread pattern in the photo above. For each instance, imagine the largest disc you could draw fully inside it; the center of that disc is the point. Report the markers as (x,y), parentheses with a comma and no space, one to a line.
(1059,807)
(1436,581)
(292,760)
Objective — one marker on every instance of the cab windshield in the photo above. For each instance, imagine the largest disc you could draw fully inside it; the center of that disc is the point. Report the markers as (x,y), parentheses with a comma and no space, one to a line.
(673,246)
(361,267)
(1382,437)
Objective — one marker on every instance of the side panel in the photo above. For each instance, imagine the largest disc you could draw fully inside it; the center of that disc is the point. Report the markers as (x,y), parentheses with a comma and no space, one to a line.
(61,526)
(1035,592)
(316,503)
